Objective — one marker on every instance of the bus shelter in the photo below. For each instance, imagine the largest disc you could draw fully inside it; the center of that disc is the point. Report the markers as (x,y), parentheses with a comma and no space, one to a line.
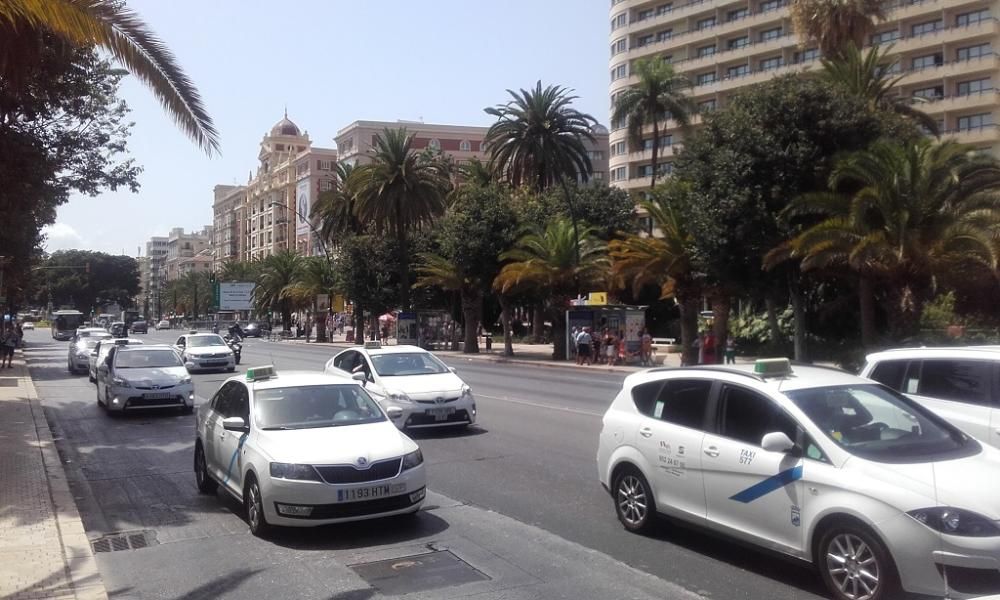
(630,319)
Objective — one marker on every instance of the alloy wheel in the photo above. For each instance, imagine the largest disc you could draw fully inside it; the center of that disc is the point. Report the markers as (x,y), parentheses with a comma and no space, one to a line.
(853,567)
(255,507)
(633,506)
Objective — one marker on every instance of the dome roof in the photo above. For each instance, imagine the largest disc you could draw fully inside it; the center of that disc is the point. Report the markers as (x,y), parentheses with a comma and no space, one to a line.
(285,127)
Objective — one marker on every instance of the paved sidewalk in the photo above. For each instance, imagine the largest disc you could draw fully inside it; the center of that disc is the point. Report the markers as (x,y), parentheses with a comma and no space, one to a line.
(44,551)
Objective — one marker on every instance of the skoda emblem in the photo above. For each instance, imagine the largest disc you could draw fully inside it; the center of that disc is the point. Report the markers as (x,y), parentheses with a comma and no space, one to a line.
(439,400)
(362,461)
(154,387)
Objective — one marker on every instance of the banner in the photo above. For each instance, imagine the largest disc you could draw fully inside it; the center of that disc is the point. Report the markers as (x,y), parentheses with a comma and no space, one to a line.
(302,201)
(236,296)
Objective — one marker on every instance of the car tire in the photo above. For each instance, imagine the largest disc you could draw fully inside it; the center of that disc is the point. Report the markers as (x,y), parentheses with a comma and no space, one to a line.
(230,369)
(91,378)
(206,485)
(854,563)
(187,410)
(253,502)
(633,500)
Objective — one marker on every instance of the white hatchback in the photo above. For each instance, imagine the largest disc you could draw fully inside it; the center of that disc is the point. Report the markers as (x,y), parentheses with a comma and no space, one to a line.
(818,464)
(303,449)
(426,391)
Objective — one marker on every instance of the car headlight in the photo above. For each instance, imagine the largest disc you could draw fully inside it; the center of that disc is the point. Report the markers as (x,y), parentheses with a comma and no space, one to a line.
(185,381)
(413,459)
(291,471)
(466,392)
(119,381)
(955,521)
(398,397)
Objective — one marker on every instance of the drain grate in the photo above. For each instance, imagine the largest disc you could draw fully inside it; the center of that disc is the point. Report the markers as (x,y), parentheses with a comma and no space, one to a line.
(126,540)
(8,382)
(418,573)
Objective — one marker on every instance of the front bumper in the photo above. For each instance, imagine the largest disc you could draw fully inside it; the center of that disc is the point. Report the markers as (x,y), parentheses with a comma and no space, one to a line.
(429,413)
(215,362)
(81,363)
(129,398)
(408,491)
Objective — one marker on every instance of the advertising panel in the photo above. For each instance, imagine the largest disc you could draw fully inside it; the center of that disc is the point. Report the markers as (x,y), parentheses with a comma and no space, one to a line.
(302,205)
(236,296)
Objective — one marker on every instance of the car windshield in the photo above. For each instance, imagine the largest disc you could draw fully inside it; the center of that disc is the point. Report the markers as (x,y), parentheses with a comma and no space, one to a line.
(91,341)
(878,424)
(147,359)
(314,406)
(200,341)
(407,363)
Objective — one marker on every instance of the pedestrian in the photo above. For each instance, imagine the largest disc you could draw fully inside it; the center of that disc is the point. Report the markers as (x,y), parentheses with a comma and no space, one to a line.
(8,341)
(730,351)
(646,348)
(584,345)
(622,352)
(610,344)
(709,348)
(572,343)
(20,334)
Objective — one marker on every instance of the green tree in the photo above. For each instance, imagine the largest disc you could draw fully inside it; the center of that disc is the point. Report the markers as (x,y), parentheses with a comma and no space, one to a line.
(84,279)
(316,276)
(367,273)
(336,209)
(546,259)
(195,291)
(659,95)
(238,270)
(836,24)
(277,272)
(398,191)
(918,214)
(30,28)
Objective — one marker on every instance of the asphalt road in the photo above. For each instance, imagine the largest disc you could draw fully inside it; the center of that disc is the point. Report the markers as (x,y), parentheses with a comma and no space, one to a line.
(531,458)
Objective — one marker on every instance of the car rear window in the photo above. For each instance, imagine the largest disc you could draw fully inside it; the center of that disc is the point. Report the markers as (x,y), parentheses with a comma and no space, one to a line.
(679,401)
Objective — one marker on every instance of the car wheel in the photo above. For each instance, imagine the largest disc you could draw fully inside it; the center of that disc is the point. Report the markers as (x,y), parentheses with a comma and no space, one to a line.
(254,504)
(206,485)
(855,564)
(231,369)
(91,378)
(634,500)
(187,410)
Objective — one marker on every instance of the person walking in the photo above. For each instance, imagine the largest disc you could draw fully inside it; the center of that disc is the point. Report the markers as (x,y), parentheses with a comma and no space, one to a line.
(646,348)
(730,351)
(8,341)
(584,345)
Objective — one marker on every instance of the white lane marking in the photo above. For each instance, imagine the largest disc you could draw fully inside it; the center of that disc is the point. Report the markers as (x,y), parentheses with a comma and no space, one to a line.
(537,405)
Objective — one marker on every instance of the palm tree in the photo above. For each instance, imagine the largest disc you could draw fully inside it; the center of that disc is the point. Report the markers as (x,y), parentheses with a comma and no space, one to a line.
(437,271)
(547,260)
(664,260)
(865,75)
(398,191)
(336,209)
(922,213)
(659,93)
(113,27)
(194,290)
(477,173)
(238,270)
(278,272)
(836,24)
(314,277)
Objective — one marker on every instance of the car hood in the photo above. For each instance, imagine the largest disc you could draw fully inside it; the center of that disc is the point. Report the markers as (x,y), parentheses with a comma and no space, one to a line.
(200,350)
(418,385)
(342,445)
(157,376)
(971,483)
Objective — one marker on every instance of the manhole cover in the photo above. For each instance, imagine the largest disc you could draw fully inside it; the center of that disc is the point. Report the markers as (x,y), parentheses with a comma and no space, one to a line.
(8,382)
(418,573)
(126,540)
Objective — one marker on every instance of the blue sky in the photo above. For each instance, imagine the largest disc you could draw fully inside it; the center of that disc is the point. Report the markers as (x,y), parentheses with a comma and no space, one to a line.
(331,62)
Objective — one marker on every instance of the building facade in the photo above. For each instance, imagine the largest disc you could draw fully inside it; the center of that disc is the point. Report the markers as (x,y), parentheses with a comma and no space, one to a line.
(227,211)
(154,272)
(182,248)
(945,49)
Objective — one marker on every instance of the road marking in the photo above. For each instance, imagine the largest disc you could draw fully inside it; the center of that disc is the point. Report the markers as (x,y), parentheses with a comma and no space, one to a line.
(537,405)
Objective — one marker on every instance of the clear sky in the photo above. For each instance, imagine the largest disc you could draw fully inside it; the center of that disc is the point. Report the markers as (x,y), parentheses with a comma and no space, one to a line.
(331,62)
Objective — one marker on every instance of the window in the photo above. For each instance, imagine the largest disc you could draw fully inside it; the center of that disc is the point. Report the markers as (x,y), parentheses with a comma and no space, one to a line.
(930,93)
(770,34)
(666,140)
(664,8)
(770,5)
(970,52)
(645,14)
(434,144)
(598,175)
(619,174)
(975,86)
(971,18)
(707,106)
(482,146)
(748,416)
(617,148)
(645,171)
(884,37)
(618,72)
(324,165)
(740,42)
(705,78)
(644,40)
(705,51)
(619,21)
(930,60)
(771,63)
(223,398)
(737,71)
(619,46)
(975,121)
(683,402)
(736,15)
(807,55)
(925,28)
(325,185)
(595,155)
(664,35)
(464,146)
(960,380)
(705,23)
(890,373)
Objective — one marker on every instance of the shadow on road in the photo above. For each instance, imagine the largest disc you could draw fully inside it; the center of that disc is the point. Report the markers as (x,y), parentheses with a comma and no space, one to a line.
(446,432)
(361,534)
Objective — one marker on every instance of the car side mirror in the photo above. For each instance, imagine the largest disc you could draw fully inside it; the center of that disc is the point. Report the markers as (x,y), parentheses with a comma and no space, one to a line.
(453,369)
(394,412)
(360,376)
(777,441)
(235,424)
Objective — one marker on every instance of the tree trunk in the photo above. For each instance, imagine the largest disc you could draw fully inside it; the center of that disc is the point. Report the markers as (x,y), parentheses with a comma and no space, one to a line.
(866,299)
(687,304)
(470,314)
(558,333)
(286,316)
(905,310)
(319,317)
(359,324)
(404,266)
(798,320)
(720,324)
(772,321)
(508,334)
(654,151)
(537,324)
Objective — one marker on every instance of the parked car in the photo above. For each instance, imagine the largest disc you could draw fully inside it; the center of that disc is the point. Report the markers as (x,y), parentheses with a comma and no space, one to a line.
(140,327)
(163,324)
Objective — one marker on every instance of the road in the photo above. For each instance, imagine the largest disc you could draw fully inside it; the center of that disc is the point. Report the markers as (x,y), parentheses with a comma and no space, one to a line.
(530,459)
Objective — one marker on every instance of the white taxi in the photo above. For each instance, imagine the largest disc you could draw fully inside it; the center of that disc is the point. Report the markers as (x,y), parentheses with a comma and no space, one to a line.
(303,449)
(205,351)
(875,490)
(426,391)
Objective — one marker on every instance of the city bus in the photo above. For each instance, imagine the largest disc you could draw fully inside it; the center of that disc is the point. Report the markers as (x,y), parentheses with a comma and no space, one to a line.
(65,323)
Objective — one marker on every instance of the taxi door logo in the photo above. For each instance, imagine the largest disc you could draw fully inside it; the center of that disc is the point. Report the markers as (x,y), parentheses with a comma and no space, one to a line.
(796,516)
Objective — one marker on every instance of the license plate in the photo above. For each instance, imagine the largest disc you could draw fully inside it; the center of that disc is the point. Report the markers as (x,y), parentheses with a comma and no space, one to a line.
(440,414)
(370,493)
(156,396)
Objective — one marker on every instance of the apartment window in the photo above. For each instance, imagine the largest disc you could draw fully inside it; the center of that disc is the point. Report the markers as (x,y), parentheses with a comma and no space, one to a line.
(976,86)
(705,78)
(971,18)
(770,34)
(619,72)
(482,146)
(434,144)
(617,124)
(619,21)
(619,46)
(770,5)
(617,148)
(707,106)
(644,40)
(662,36)
(279,147)
(975,121)
(668,58)
(737,71)
(645,14)
(736,15)
(664,8)
(927,61)
(705,51)
(324,165)
(618,174)
(705,23)
(884,37)
(930,93)
(595,155)
(665,141)
(925,28)
(771,63)
(325,185)
(645,171)
(970,52)
(739,42)
(807,55)
(895,67)
(598,176)
(464,146)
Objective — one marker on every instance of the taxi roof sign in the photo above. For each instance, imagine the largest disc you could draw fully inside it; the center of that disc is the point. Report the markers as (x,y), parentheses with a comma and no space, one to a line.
(373,345)
(772,367)
(261,373)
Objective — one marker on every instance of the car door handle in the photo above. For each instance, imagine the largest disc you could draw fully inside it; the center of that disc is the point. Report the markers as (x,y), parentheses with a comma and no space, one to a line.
(712,451)
(646,432)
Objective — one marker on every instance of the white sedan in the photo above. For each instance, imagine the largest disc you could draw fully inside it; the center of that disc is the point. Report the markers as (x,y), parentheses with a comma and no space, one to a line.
(425,390)
(818,464)
(304,449)
(205,351)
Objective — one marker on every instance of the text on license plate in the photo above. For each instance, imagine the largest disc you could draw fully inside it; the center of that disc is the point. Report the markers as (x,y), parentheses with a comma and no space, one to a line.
(440,414)
(370,493)
(156,396)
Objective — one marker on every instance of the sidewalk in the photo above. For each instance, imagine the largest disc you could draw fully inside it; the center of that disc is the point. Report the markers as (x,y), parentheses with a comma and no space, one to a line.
(44,551)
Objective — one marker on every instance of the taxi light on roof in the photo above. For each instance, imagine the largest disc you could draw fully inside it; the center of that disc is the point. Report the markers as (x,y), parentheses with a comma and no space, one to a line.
(373,345)
(121,342)
(261,373)
(772,367)
(193,331)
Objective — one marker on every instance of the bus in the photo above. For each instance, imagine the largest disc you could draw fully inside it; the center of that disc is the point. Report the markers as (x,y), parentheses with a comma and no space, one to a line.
(65,324)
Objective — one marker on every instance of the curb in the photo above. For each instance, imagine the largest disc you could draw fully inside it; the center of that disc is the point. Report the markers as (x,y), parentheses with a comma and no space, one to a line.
(80,564)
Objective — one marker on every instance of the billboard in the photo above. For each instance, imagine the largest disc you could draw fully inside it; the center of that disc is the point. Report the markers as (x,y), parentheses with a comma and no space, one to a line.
(236,296)
(302,201)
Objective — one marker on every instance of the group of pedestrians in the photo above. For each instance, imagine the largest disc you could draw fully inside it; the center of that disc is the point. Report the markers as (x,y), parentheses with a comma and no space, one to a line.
(608,348)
